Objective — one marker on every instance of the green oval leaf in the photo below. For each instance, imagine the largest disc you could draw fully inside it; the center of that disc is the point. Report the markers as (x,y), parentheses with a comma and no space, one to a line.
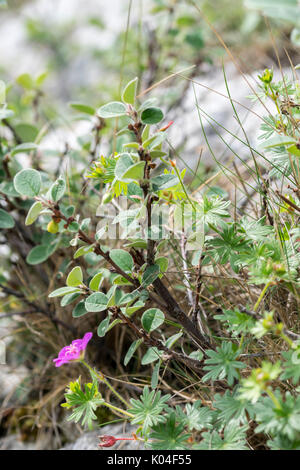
(24,148)
(152,115)
(122,259)
(135,172)
(124,162)
(79,310)
(58,189)
(134,346)
(75,277)
(111,110)
(6,220)
(103,327)
(38,254)
(33,213)
(83,108)
(69,298)
(26,132)
(95,282)
(63,291)
(152,319)
(129,92)
(96,302)
(28,182)
(152,355)
(150,274)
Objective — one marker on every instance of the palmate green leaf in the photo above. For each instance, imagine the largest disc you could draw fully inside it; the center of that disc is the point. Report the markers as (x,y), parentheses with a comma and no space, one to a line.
(214,210)
(6,220)
(227,245)
(129,92)
(237,322)
(148,409)
(222,363)
(291,366)
(195,417)
(278,141)
(152,319)
(284,421)
(252,386)
(256,230)
(28,182)
(84,402)
(233,438)
(169,435)
(75,277)
(283,443)
(230,408)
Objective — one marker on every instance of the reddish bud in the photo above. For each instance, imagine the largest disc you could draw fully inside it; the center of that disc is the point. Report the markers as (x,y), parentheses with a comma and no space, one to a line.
(107,441)
(166,127)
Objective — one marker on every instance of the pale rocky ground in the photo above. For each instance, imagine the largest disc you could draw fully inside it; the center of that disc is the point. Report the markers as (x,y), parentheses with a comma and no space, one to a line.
(87,441)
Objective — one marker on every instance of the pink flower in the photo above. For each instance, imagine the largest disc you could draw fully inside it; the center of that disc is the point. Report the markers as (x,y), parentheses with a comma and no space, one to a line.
(73,351)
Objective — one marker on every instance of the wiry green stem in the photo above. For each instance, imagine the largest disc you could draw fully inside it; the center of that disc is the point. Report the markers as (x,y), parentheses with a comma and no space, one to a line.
(101,377)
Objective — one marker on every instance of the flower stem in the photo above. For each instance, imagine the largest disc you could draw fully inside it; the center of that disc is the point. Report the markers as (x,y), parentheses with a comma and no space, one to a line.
(262,295)
(273,398)
(101,377)
(119,410)
(287,340)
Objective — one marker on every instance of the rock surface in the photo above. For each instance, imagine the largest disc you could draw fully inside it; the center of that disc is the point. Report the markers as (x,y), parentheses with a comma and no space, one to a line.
(14,442)
(89,440)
